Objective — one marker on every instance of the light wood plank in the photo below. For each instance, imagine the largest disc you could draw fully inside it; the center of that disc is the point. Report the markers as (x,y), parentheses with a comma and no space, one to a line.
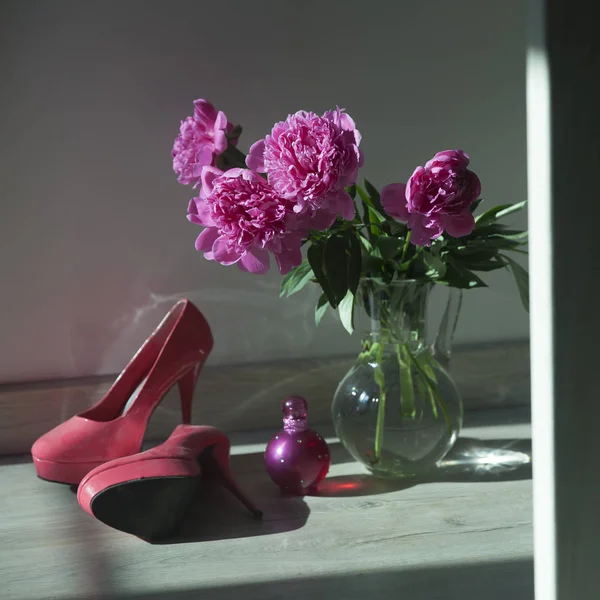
(358,530)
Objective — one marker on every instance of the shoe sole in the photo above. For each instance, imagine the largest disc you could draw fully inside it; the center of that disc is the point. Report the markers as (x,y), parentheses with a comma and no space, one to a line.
(151,508)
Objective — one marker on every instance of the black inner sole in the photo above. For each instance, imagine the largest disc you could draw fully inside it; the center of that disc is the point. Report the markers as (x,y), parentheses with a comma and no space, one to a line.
(149,508)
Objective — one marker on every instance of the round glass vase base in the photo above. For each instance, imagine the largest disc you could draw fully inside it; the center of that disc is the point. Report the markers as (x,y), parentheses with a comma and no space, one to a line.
(395,467)
(402,469)
(396,472)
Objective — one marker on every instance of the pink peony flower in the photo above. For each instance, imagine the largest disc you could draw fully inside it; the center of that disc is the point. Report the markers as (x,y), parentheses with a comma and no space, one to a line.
(309,160)
(245,219)
(437,198)
(201,138)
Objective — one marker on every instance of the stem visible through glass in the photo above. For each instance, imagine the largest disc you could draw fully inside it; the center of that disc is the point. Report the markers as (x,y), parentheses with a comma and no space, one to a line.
(434,390)
(398,330)
(380,381)
(426,383)
(407,393)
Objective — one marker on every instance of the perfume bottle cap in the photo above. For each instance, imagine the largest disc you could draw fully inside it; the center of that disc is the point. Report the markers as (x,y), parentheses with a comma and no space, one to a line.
(294,410)
(294,407)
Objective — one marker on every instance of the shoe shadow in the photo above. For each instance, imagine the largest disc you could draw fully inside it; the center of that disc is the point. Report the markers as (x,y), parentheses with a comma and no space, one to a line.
(217,515)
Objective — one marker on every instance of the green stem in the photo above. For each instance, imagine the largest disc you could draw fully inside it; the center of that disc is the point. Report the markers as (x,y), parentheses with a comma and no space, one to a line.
(380,380)
(431,373)
(424,391)
(407,393)
(434,390)
(404,266)
(406,243)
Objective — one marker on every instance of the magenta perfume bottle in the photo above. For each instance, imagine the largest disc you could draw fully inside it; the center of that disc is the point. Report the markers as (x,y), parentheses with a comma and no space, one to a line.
(297,458)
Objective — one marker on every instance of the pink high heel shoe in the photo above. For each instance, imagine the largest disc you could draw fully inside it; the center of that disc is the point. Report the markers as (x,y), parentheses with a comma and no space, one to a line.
(115,426)
(149,494)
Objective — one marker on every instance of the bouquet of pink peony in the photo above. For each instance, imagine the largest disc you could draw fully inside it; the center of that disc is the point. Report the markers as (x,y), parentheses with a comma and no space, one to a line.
(297,188)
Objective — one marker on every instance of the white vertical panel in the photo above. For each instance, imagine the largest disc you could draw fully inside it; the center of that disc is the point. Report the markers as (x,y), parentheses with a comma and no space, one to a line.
(541,301)
(564,167)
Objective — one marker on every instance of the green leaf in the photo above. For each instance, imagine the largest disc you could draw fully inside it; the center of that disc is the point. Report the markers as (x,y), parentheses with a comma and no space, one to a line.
(373,207)
(522,279)
(482,231)
(436,266)
(490,243)
(473,252)
(366,243)
(475,204)
(346,311)
(369,219)
(496,230)
(389,246)
(234,133)
(321,308)
(296,279)
(459,277)
(315,259)
(363,195)
(373,265)
(334,265)
(375,216)
(354,262)
(521,236)
(498,212)
(371,190)
(352,191)
(374,195)
(489,216)
(511,209)
(398,229)
(486,266)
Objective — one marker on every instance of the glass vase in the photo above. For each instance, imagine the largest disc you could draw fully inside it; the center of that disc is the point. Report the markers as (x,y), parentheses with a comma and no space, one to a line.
(397,410)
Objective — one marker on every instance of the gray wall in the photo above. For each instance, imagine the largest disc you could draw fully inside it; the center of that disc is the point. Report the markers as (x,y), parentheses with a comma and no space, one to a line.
(95,245)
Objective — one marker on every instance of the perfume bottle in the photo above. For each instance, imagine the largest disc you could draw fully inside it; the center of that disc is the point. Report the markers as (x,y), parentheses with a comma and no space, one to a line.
(297,458)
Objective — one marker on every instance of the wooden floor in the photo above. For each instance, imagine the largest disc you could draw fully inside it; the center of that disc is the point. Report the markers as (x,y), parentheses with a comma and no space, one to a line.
(465,534)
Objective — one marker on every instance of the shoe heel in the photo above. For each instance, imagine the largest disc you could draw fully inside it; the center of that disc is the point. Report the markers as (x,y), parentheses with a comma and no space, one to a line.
(215,464)
(186,385)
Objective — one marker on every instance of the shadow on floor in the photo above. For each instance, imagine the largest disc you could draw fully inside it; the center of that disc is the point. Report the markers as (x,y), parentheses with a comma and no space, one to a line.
(216,515)
(491,580)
